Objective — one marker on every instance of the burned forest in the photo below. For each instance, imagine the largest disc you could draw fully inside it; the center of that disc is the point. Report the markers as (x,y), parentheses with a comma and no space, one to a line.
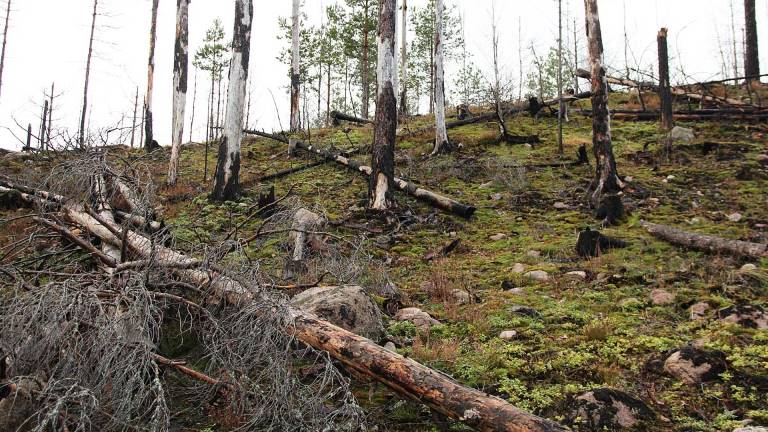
(383,215)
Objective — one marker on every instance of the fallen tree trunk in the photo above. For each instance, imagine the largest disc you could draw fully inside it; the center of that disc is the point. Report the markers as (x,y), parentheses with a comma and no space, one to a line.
(402,375)
(705,243)
(694,115)
(338,117)
(431,198)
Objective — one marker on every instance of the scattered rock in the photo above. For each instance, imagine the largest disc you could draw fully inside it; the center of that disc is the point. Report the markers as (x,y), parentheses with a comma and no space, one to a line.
(518,268)
(417,317)
(534,254)
(679,133)
(508,335)
(660,297)
(751,429)
(561,206)
(390,346)
(538,275)
(745,315)
(497,197)
(524,310)
(609,409)
(516,291)
(748,268)
(461,297)
(349,307)
(762,159)
(497,237)
(576,275)
(734,217)
(486,185)
(699,311)
(693,365)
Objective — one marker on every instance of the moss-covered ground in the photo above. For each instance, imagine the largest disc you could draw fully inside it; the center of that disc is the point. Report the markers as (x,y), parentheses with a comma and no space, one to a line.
(596,332)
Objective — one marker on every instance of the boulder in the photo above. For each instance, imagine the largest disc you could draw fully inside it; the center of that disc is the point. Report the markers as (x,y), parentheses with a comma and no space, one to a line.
(679,133)
(497,237)
(694,365)
(538,275)
(660,297)
(734,217)
(745,315)
(751,429)
(561,206)
(576,275)
(508,335)
(699,311)
(518,268)
(609,409)
(422,320)
(349,307)
(762,159)
(748,268)
(461,296)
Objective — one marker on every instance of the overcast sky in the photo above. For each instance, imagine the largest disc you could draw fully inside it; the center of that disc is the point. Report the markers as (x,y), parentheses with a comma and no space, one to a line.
(48,41)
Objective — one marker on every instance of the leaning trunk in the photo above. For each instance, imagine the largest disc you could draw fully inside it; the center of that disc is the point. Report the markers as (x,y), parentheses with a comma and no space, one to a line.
(81,138)
(226,183)
(148,138)
(180,65)
(752,57)
(5,40)
(295,68)
(441,133)
(606,177)
(380,188)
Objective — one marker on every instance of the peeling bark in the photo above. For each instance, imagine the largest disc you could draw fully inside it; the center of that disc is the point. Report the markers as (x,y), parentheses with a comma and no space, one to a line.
(180,68)
(227,180)
(404,61)
(442,145)
(606,179)
(380,196)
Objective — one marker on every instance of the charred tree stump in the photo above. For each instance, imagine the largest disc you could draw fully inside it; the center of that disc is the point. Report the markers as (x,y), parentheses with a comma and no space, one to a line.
(593,244)
(148,137)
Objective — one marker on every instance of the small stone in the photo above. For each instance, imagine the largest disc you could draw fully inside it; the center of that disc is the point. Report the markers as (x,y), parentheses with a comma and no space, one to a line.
(561,206)
(679,133)
(762,159)
(751,429)
(452,234)
(390,346)
(461,297)
(528,146)
(518,268)
(534,253)
(699,311)
(654,200)
(516,291)
(417,317)
(524,310)
(486,185)
(734,217)
(497,197)
(745,315)
(499,236)
(608,409)
(693,365)
(694,221)
(748,268)
(538,275)
(661,297)
(508,335)
(576,275)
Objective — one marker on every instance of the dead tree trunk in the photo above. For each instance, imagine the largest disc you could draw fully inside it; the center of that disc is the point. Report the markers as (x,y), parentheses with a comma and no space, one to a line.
(404,61)
(194,103)
(5,40)
(135,112)
(50,117)
(295,71)
(29,137)
(180,71)
(752,56)
(227,182)
(81,138)
(706,243)
(442,145)
(606,183)
(43,125)
(664,87)
(561,104)
(366,78)
(380,196)
(148,138)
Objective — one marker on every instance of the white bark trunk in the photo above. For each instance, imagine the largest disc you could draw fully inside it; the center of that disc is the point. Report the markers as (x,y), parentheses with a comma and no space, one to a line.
(295,68)
(403,102)
(441,133)
(181,57)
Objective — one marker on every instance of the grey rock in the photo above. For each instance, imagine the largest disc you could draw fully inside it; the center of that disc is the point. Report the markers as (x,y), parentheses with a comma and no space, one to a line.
(745,315)
(679,133)
(508,335)
(693,365)
(538,275)
(349,307)
(417,317)
(497,237)
(661,297)
(699,311)
(609,409)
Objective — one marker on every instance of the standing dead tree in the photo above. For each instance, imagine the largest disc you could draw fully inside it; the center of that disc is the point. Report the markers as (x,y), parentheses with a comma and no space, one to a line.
(227,179)
(442,144)
(606,185)
(364,63)
(496,89)
(561,104)
(5,41)
(81,139)
(148,138)
(380,196)
(180,72)
(135,113)
(295,70)
(404,61)
(751,56)
(664,87)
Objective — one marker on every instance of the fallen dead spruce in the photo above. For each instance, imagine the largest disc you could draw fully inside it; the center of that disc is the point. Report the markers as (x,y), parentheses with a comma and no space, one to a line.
(705,243)
(404,376)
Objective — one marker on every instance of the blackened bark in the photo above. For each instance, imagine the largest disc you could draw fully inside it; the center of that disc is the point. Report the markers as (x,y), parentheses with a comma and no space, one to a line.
(752,57)
(664,87)
(148,138)
(380,196)
(606,181)
(364,64)
(180,69)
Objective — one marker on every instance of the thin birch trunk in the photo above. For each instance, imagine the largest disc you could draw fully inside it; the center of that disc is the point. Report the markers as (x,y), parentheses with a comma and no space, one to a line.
(5,40)
(148,137)
(194,102)
(180,72)
(442,145)
(227,181)
(364,64)
(561,104)
(81,138)
(381,186)
(295,68)
(404,61)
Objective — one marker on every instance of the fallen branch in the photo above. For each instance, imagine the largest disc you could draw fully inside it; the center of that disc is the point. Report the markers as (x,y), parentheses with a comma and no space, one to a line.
(706,243)
(338,117)
(425,195)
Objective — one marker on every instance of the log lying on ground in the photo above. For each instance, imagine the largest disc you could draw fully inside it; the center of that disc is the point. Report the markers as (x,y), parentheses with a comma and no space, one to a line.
(338,117)
(693,115)
(683,91)
(706,243)
(402,375)
(429,197)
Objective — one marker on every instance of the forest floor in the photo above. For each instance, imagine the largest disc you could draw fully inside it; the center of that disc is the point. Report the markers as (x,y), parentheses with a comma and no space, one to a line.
(573,333)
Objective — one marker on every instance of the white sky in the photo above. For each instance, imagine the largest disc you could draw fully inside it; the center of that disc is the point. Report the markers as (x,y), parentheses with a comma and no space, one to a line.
(48,42)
